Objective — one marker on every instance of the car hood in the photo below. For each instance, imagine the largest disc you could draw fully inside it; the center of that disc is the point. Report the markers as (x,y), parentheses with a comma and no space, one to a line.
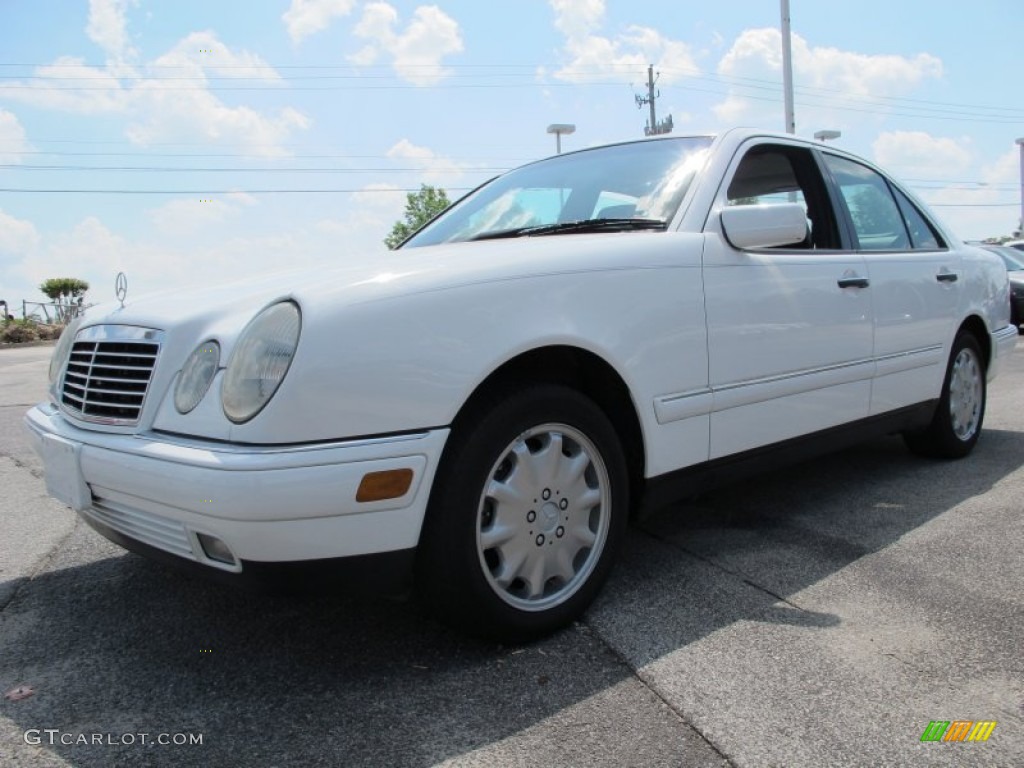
(356,280)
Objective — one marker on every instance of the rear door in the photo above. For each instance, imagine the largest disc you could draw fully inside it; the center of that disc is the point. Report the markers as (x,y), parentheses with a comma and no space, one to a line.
(914,283)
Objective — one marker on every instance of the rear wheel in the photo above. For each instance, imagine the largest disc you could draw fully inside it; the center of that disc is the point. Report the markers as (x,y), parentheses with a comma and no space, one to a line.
(526,514)
(956,425)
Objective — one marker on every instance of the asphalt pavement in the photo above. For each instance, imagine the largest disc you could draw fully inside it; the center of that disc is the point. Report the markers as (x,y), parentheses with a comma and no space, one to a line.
(820,616)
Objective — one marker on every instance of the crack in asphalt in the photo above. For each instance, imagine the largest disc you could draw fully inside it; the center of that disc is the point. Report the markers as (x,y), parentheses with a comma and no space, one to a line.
(745,578)
(41,565)
(36,473)
(653,688)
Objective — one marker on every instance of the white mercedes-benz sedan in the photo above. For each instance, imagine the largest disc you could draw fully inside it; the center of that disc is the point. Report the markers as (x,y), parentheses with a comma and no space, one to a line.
(477,413)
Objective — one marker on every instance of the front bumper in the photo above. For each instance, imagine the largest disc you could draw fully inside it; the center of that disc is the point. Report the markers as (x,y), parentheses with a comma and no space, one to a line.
(268,504)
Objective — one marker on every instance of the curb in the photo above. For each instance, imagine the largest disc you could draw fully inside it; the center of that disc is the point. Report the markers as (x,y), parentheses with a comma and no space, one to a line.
(15,345)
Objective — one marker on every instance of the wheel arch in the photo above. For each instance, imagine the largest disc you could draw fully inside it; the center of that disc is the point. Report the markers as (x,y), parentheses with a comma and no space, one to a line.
(977,328)
(582,370)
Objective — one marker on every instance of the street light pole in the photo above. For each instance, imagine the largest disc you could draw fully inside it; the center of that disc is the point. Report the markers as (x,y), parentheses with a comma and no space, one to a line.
(558,129)
(827,135)
(787,68)
(1020,224)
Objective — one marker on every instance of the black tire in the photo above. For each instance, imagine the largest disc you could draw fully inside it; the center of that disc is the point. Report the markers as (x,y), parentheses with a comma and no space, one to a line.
(956,425)
(549,453)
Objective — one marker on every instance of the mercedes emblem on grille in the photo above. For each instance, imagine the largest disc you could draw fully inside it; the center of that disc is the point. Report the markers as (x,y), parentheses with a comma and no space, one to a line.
(121,287)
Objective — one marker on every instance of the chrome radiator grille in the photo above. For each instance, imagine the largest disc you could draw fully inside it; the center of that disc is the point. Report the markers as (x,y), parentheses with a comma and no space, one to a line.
(106,381)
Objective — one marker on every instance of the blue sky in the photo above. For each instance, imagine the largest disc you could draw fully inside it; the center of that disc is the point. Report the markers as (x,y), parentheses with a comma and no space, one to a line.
(171,122)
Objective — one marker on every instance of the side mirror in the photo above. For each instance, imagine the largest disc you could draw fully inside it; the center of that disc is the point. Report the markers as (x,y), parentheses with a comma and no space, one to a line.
(764,226)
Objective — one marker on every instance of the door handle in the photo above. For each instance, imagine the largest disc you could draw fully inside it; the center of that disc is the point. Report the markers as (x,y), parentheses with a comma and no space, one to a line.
(853,282)
(947,277)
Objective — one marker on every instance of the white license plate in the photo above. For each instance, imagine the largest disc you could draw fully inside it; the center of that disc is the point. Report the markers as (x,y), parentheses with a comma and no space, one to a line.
(64,479)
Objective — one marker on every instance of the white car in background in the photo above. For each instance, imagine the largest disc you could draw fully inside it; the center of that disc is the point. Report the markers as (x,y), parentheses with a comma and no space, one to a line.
(484,407)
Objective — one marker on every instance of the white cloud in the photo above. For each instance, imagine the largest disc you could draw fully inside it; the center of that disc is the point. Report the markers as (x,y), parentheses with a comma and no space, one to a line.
(13,143)
(625,56)
(17,236)
(432,168)
(406,149)
(306,17)
(916,154)
(186,216)
(159,106)
(200,53)
(69,85)
(90,252)
(162,109)
(108,27)
(242,198)
(756,56)
(171,115)
(944,173)
(93,252)
(417,52)
(973,213)
(1005,170)
(578,18)
(373,211)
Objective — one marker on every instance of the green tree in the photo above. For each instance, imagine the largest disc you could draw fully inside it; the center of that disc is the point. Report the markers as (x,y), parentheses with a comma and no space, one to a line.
(66,293)
(420,207)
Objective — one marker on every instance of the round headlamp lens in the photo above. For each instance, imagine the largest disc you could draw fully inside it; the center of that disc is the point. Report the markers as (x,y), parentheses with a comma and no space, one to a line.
(260,360)
(196,376)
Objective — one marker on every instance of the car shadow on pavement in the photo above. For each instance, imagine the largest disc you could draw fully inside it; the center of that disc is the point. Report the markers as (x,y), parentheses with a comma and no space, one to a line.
(747,551)
(125,646)
(121,645)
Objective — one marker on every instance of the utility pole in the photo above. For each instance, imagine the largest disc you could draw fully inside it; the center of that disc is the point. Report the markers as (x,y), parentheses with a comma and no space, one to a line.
(653,127)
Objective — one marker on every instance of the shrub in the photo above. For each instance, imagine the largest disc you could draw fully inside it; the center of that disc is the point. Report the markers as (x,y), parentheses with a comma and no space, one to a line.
(48,332)
(19,332)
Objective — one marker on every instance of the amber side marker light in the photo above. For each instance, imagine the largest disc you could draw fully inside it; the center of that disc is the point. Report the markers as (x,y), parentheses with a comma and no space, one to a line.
(390,484)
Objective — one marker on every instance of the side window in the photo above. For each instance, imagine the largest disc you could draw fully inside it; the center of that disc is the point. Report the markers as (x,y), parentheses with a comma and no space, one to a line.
(922,234)
(771,173)
(877,220)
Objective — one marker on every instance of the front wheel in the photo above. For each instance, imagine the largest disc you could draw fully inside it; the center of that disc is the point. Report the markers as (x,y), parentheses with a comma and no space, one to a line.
(956,425)
(526,514)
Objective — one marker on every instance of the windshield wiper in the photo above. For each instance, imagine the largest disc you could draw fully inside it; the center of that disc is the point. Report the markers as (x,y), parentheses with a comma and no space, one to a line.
(582,225)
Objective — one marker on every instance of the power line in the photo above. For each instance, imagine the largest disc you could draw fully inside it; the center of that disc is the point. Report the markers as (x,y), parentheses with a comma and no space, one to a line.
(973,205)
(465,71)
(16,190)
(119,88)
(167,169)
(223,155)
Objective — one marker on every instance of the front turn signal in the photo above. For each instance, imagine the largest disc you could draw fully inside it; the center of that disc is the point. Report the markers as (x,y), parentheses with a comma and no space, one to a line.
(379,486)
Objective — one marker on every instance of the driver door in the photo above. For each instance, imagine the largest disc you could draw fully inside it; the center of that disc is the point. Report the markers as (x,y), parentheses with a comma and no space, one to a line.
(789,328)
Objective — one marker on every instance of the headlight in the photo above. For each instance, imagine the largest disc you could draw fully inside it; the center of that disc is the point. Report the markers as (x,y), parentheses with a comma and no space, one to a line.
(60,352)
(260,360)
(196,376)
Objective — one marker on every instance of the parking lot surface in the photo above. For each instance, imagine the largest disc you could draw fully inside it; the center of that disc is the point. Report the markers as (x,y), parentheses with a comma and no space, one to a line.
(820,616)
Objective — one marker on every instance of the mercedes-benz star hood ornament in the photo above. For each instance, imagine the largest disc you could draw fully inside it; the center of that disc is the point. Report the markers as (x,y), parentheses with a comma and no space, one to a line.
(121,287)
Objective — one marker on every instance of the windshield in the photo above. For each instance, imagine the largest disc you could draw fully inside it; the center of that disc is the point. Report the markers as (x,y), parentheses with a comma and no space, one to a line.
(623,187)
